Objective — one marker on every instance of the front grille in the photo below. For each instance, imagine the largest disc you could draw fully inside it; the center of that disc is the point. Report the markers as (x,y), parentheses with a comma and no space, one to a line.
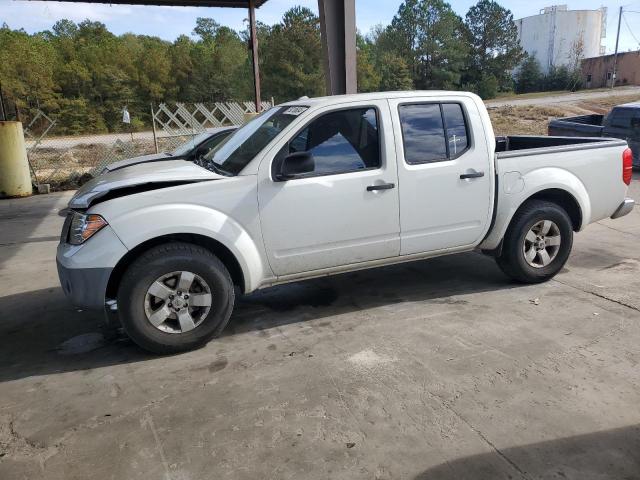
(64,235)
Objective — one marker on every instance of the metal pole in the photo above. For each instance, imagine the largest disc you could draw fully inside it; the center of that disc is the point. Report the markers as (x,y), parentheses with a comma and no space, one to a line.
(338,35)
(615,55)
(153,123)
(254,53)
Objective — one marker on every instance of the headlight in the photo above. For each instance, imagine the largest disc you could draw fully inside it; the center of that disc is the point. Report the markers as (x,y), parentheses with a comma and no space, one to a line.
(84,227)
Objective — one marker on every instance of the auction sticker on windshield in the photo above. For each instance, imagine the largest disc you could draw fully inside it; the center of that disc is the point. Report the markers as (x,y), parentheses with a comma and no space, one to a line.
(294,111)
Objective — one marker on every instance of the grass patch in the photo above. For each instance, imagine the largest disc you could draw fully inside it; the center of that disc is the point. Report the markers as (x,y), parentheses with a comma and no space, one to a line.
(524,119)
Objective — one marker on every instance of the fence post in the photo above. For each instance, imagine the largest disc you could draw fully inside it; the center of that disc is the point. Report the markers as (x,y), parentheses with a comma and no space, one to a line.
(153,123)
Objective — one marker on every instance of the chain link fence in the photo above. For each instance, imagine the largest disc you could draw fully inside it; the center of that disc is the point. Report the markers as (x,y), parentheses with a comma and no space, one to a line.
(66,162)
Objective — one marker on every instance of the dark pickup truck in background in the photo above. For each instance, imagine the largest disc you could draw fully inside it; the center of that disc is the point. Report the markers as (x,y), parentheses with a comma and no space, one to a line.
(621,122)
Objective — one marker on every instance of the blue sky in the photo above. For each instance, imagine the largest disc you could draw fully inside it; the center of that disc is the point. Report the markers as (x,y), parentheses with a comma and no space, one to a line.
(169,22)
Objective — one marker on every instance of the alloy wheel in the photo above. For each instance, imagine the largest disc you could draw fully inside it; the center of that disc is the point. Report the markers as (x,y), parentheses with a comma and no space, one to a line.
(177,302)
(542,243)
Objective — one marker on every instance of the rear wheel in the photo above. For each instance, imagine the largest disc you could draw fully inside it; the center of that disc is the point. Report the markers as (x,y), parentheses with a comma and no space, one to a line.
(537,243)
(175,297)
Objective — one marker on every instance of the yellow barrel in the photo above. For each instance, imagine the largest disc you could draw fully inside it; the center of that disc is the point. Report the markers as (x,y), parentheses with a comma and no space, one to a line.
(15,180)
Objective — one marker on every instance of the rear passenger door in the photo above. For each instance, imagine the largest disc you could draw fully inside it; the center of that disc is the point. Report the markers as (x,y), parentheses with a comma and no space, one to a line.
(444,173)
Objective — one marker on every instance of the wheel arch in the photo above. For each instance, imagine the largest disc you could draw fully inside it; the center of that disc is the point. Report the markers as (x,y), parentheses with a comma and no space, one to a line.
(566,198)
(224,254)
(563,199)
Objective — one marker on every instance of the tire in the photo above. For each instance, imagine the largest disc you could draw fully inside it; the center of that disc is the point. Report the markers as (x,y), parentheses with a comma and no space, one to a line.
(516,259)
(175,264)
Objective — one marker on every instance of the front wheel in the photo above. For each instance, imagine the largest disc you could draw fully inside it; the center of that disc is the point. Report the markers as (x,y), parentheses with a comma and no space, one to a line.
(175,298)
(537,243)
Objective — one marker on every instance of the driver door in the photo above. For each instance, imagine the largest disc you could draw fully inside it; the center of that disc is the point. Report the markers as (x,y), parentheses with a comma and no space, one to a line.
(346,210)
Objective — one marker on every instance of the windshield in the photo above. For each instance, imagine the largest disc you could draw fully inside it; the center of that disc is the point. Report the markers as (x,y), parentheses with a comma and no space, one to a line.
(189,145)
(237,150)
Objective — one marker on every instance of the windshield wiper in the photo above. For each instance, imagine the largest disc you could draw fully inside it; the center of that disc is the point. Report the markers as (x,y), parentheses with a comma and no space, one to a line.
(211,165)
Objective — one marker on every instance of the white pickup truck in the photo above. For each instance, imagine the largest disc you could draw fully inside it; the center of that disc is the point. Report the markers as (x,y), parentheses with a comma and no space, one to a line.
(328,185)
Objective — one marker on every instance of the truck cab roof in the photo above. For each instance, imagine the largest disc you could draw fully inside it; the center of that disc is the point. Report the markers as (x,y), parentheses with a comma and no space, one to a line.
(629,105)
(363,97)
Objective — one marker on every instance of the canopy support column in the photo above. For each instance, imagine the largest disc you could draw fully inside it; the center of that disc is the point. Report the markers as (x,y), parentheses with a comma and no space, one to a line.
(338,29)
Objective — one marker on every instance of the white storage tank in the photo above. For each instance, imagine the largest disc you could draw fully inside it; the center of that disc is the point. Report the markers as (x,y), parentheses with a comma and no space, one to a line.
(557,35)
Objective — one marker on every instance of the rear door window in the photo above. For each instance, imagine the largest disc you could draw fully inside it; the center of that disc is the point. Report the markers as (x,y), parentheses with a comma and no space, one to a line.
(423,133)
(456,129)
(433,132)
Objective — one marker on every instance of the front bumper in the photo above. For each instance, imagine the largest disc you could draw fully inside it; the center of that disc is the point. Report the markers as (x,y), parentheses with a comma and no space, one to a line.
(624,208)
(84,287)
(84,270)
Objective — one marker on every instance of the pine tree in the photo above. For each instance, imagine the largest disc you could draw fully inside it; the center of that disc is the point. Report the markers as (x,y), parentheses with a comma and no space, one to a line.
(495,50)
(429,36)
(529,76)
(395,74)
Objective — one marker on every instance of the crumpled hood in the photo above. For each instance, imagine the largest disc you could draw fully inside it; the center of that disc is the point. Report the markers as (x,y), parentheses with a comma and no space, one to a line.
(154,175)
(153,157)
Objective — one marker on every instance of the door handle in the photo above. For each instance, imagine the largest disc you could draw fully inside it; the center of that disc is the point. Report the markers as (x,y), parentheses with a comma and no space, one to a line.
(382,186)
(464,176)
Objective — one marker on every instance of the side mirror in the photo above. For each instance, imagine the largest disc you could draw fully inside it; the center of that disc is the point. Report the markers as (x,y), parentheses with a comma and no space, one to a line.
(295,164)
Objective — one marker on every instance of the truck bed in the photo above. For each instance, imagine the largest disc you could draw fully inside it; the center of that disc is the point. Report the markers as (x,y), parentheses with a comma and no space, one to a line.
(581,125)
(590,169)
(521,145)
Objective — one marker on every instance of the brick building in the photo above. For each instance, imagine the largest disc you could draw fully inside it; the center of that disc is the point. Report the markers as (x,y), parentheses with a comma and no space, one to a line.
(597,72)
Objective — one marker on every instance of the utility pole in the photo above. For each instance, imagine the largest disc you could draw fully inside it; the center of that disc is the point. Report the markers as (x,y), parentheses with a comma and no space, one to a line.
(254,54)
(615,55)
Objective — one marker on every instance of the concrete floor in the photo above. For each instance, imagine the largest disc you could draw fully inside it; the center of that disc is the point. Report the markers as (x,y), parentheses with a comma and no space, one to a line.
(440,369)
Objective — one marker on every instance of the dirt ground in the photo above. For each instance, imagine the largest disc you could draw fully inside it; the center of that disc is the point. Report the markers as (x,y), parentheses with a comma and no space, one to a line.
(533,119)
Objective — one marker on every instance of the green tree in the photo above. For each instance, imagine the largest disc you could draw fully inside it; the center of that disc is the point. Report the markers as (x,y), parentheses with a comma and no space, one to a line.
(429,36)
(217,68)
(65,29)
(206,28)
(562,78)
(27,66)
(494,48)
(367,73)
(394,73)
(487,86)
(183,68)
(83,75)
(291,55)
(529,76)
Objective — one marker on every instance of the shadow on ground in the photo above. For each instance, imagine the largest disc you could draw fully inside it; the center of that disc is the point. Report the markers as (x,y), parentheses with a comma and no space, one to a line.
(607,454)
(41,333)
